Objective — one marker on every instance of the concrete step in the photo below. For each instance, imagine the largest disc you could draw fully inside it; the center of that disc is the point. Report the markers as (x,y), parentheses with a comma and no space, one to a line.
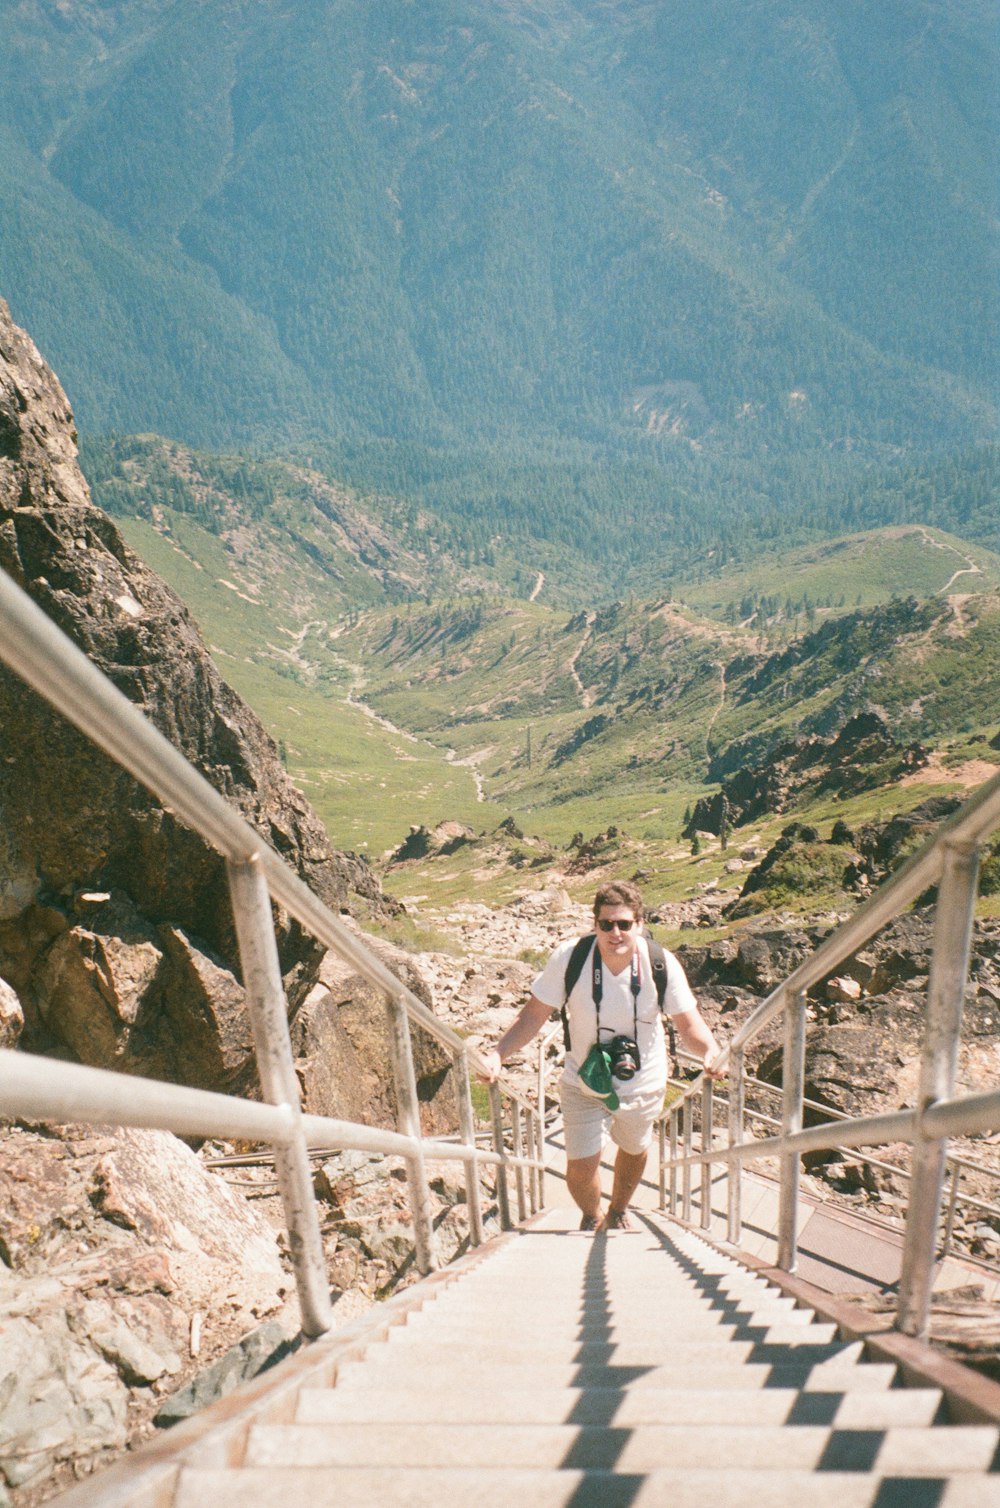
(424,1487)
(891,1408)
(794,1345)
(670,1326)
(642,1448)
(544,1295)
(467,1371)
(661,1344)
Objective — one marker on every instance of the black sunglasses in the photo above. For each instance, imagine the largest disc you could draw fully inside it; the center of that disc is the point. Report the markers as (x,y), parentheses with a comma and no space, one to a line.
(623,926)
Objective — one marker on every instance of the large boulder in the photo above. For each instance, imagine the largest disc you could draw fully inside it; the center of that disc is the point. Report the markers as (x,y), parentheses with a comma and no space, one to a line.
(110,1245)
(115,925)
(341,1041)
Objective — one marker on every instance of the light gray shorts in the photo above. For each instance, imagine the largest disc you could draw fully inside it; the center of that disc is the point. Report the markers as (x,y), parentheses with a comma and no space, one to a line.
(588,1121)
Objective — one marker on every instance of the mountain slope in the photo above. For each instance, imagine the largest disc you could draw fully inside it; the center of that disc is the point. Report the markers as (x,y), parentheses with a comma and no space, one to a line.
(324,608)
(722,225)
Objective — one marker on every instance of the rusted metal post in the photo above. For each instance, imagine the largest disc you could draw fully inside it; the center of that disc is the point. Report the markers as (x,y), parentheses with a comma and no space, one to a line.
(268,1012)
(949,1224)
(688,1150)
(943,1025)
(675,1114)
(793,1080)
(540,1125)
(540,1154)
(531,1141)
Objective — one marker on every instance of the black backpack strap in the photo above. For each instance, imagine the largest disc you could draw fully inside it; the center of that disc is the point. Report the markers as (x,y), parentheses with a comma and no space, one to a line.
(658,964)
(574,968)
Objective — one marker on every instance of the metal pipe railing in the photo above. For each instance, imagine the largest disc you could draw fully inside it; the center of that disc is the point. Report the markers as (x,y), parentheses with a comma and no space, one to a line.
(268,1012)
(35,649)
(945,999)
(948,858)
(48,1089)
(41,654)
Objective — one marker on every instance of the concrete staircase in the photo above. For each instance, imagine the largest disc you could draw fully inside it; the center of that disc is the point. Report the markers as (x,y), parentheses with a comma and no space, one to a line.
(636,1368)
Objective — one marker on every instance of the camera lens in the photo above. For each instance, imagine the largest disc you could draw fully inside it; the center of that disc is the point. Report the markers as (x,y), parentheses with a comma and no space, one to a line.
(624,1055)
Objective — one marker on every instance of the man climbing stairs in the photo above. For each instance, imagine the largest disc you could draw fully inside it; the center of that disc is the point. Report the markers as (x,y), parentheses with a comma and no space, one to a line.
(633,1368)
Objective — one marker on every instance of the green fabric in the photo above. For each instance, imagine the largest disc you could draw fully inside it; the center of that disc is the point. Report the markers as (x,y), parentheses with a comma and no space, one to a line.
(595,1071)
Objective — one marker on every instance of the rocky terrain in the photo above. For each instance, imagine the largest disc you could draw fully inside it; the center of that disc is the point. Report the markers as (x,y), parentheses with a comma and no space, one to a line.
(115,927)
(125,1265)
(139,1277)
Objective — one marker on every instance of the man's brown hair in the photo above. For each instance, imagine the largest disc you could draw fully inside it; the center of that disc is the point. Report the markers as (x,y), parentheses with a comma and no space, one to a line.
(619,893)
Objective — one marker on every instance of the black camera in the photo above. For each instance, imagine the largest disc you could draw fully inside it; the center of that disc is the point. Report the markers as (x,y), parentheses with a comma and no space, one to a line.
(623,1057)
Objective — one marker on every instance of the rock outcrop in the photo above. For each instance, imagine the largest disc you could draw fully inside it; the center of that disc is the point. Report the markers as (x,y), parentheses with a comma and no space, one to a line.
(863,755)
(121,1259)
(115,927)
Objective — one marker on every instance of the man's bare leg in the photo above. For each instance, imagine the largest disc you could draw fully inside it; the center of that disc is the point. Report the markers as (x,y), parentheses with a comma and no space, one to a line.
(583,1180)
(629,1168)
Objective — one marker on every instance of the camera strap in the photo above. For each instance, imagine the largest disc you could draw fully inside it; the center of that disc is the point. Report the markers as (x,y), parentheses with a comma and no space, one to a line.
(597,989)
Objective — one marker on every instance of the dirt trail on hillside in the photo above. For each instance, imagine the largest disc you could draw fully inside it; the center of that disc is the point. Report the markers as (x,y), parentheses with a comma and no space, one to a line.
(586,697)
(969,775)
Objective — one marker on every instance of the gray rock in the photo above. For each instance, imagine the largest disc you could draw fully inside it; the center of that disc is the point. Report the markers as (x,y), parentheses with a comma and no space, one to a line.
(391,1243)
(255,1353)
(341,1038)
(71,822)
(59,1401)
(137,1362)
(11,1015)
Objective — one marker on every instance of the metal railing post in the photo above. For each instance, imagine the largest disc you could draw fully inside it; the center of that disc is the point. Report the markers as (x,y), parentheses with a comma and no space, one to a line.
(531,1141)
(949,1224)
(518,1140)
(268,1012)
(736,1120)
(688,1149)
(661,1129)
(499,1147)
(793,1079)
(675,1115)
(467,1131)
(945,1000)
(408,1121)
(540,1154)
(707,1135)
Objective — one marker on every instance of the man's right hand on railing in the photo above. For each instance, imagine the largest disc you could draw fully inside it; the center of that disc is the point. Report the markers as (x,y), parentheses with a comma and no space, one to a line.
(490,1071)
(529,1023)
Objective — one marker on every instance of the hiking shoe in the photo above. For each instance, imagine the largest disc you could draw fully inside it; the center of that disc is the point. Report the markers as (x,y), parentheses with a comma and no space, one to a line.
(618,1220)
(590,1222)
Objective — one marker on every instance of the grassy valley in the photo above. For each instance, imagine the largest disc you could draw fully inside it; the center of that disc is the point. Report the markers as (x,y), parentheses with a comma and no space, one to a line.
(406,685)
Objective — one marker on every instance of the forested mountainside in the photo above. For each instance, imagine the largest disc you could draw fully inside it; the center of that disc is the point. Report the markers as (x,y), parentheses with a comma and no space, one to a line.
(530,261)
(588,547)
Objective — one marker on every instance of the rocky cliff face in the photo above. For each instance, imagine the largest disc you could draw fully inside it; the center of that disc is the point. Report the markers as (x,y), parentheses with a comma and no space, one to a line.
(115,926)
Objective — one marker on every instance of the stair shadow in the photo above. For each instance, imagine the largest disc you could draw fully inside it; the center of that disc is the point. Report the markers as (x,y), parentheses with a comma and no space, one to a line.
(604,1385)
(786,1360)
(791,1366)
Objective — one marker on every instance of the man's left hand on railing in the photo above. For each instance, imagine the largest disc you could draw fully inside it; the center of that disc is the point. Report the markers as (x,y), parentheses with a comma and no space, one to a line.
(709,1068)
(696,1038)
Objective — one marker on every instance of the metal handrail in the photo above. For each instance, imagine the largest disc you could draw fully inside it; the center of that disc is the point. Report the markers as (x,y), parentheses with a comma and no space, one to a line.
(42,655)
(954,1163)
(948,859)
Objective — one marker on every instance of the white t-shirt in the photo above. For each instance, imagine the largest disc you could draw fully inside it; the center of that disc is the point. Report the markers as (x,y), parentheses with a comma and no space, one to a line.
(616,1015)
